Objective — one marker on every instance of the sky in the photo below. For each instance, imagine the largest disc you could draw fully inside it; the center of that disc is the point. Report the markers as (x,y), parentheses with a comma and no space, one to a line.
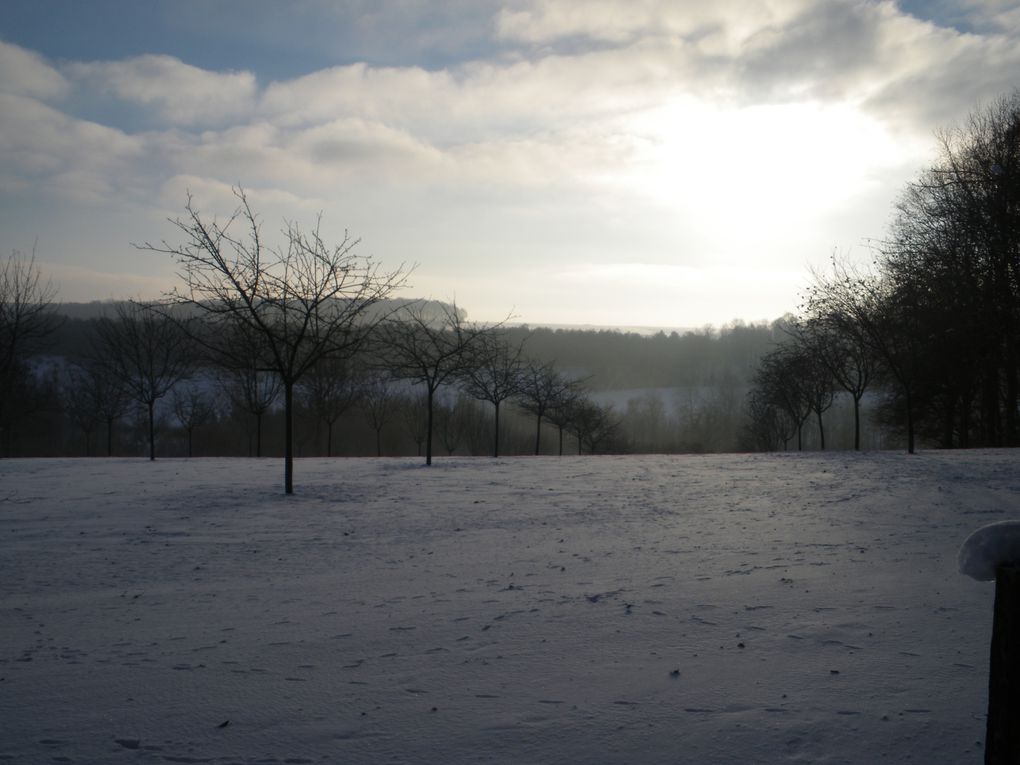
(631,163)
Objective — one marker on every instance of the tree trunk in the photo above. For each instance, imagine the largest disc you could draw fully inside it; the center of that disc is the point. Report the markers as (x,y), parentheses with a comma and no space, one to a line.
(378,442)
(910,422)
(1002,739)
(258,435)
(152,431)
(288,437)
(109,437)
(189,442)
(329,439)
(1011,392)
(949,421)
(495,445)
(990,406)
(965,420)
(821,429)
(538,436)
(857,423)
(561,440)
(428,433)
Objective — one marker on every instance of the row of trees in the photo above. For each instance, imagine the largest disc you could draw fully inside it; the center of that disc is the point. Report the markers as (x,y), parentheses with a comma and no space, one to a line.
(280,320)
(347,410)
(934,326)
(25,323)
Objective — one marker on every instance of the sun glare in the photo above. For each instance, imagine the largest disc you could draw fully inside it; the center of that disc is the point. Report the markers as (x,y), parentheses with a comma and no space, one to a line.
(762,166)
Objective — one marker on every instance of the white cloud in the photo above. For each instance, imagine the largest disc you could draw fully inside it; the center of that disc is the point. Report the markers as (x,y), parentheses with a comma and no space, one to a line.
(25,73)
(1002,16)
(214,198)
(546,21)
(909,72)
(179,93)
(69,157)
(357,90)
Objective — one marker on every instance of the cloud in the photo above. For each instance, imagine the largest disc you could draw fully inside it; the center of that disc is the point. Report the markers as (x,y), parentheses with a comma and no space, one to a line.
(610,21)
(998,16)
(70,157)
(910,72)
(481,99)
(82,284)
(218,199)
(390,94)
(177,92)
(914,72)
(694,135)
(25,73)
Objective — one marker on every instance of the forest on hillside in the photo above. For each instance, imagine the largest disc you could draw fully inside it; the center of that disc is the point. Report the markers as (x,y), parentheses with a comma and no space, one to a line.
(663,393)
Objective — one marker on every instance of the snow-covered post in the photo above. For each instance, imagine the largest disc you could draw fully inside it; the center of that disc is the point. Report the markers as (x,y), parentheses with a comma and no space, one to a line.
(993,552)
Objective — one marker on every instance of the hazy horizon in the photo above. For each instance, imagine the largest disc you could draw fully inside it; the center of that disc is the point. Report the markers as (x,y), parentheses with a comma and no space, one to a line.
(83,309)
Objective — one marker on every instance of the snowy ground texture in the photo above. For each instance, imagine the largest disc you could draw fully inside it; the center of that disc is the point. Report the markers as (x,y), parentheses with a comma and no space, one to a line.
(709,609)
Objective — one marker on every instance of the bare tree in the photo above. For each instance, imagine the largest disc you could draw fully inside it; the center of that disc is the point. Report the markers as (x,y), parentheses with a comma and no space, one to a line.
(329,390)
(431,345)
(780,381)
(307,301)
(109,397)
(148,352)
(378,402)
(495,375)
(249,387)
(26,319)
(593,424)
(453,417)
(769,427)
(95,393)
(563,410)
(887,317)
(541,388)
(26,315)
(78,405)
(839,342)
(192,409)
(415,411)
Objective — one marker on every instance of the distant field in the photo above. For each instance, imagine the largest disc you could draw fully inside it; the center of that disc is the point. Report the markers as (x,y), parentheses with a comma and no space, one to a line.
(708,609)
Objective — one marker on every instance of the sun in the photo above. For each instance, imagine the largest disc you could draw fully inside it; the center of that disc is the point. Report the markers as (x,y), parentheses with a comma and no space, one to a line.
(759,167)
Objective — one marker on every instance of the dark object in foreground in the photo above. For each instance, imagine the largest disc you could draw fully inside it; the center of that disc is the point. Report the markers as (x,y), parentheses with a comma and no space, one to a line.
(1002,740)
(993,552)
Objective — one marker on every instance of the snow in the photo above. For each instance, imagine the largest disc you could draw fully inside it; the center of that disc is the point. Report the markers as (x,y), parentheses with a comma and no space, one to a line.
(989,547)
(691,609)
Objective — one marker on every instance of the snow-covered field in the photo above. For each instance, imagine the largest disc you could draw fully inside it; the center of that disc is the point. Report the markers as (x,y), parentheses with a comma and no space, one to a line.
(702,609)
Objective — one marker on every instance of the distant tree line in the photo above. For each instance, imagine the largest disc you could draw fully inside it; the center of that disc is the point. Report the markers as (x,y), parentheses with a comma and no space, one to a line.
(933,328)
(304,349)
(95,373)
(141,383)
